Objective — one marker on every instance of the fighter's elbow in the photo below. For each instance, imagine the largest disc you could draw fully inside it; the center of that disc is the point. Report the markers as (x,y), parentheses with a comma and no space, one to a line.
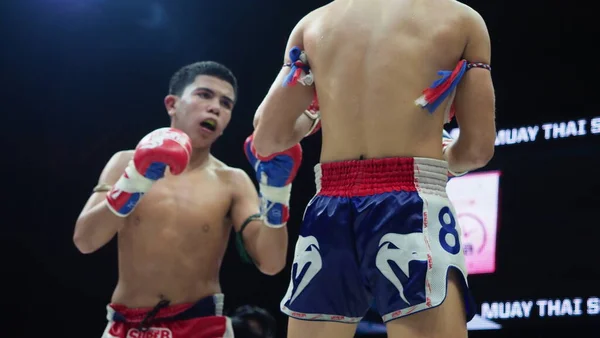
(273,265)
(256,119)
(86,250)
(263,148)
(266,146)
(486,154)
(481,154)
(83,244)
(82,241)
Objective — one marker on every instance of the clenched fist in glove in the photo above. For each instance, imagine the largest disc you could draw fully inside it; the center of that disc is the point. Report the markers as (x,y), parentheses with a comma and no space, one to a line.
(157,150)
(274,174)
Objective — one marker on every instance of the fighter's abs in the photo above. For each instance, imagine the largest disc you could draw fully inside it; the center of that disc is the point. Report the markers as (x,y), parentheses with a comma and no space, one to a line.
(174,241)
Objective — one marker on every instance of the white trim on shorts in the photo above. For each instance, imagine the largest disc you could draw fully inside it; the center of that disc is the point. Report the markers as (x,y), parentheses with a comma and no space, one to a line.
(423,306)
(228,329)
(319,317)
(430,180)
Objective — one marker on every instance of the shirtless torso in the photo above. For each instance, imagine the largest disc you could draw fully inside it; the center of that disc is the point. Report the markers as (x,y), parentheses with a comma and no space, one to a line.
(173,226)
(371,60)
(172,244)
(385,52)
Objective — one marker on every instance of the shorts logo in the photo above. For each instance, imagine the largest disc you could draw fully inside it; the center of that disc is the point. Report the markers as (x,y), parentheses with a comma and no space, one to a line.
(307,263)
(153,332)
(402,250)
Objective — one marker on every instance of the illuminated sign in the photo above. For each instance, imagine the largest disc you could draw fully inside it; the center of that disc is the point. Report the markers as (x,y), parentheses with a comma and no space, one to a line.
(496,314)
(541,308)
(544,131)
(475,199)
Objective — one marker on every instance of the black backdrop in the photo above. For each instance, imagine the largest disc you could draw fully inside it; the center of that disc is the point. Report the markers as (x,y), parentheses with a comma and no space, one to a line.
(85,78)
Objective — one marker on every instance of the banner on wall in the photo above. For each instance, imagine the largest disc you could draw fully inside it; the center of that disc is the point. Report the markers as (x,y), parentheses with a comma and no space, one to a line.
(498,314)
(544,131)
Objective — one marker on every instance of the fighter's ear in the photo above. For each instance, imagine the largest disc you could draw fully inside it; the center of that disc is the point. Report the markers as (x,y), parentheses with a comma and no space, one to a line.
(171,104)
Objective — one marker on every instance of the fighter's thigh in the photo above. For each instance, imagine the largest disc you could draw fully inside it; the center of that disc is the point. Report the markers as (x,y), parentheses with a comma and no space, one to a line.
(325,279)
(445,321)
(319,329)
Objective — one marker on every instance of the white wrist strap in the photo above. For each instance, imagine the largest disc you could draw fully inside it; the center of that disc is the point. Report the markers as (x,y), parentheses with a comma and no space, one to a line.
(134,182)
(273,226)
(276,194)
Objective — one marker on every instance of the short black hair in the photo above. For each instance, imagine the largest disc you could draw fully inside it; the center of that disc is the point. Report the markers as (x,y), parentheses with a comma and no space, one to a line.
(187,75)
(244,314)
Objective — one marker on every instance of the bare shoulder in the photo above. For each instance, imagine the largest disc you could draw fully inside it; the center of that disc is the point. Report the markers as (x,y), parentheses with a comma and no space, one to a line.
(236,177)
(465,10)
(312,17)
(123,157)
(471,19)
(318,12)
(478,47)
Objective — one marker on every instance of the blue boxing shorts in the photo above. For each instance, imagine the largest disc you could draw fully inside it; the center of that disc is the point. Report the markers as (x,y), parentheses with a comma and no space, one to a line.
(378,230)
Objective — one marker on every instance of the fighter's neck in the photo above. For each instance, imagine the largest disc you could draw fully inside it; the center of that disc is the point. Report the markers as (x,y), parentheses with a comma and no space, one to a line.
(200,157)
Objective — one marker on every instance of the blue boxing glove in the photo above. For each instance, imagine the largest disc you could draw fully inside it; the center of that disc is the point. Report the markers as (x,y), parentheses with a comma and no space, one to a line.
(274,174)
(447,140)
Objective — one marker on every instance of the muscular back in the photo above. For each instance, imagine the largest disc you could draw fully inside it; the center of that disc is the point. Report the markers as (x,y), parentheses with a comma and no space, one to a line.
(371,59)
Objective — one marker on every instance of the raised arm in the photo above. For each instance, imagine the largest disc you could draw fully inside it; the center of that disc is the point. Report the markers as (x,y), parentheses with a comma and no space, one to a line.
(280,121)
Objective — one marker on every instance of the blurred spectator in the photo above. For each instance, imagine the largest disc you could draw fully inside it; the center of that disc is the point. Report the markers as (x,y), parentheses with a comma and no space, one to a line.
(252,322)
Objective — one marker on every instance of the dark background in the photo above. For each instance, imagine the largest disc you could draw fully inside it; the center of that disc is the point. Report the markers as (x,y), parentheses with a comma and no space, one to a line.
(83,79)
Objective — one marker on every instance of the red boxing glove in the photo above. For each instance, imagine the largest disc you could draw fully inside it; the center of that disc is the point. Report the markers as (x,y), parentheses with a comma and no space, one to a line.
(167,146)
(157,150)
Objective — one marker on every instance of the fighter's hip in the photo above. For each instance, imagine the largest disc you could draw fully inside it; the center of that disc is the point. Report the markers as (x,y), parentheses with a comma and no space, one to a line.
(200,319)
(145,292)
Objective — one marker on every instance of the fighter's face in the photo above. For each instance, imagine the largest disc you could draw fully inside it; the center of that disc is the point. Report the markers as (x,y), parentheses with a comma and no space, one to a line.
(204,109)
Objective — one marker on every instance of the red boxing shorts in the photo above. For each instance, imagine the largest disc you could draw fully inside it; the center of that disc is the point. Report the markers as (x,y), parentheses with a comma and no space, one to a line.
(378,232)
(202,319)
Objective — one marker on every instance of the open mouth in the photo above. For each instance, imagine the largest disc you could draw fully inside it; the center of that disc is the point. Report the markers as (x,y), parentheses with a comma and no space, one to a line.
(209,124)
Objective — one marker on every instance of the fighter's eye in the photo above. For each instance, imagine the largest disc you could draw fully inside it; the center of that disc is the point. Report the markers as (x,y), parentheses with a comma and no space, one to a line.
(227,104)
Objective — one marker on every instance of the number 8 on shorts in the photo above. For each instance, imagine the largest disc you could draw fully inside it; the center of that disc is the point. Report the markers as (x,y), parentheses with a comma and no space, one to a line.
(448,222)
